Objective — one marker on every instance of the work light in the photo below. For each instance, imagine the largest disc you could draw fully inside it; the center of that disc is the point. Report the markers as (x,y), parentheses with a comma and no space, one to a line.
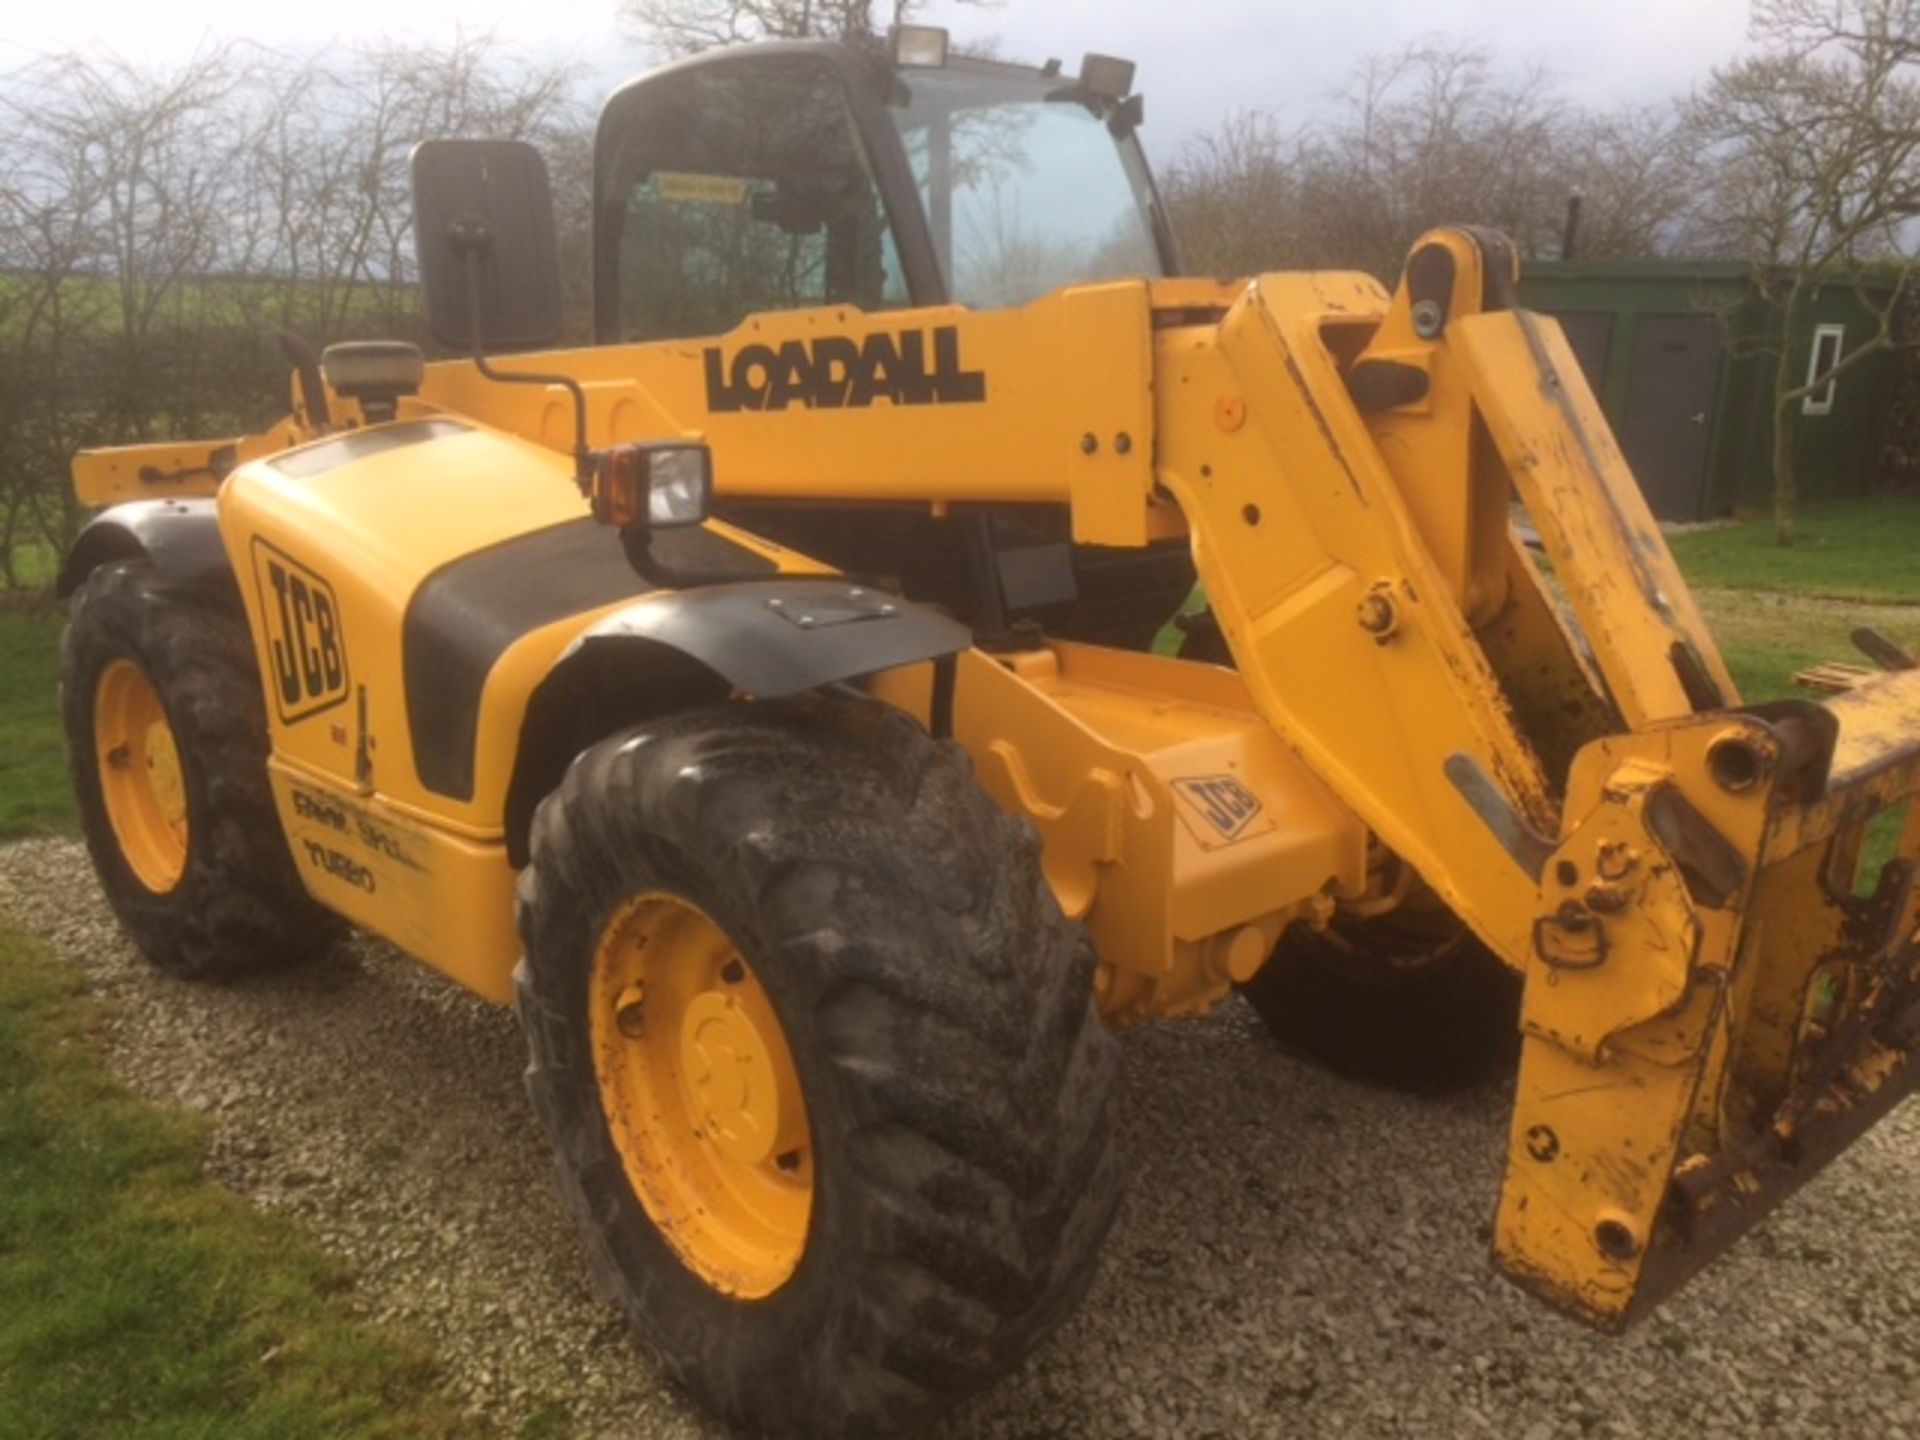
(1107,75)
(653,487)
(919,47)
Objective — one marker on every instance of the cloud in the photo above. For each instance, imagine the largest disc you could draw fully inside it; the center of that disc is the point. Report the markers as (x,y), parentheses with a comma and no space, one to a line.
(1205,58)
(1199,59)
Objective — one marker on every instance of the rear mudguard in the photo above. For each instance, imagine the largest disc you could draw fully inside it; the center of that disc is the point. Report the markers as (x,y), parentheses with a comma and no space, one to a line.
(177,537)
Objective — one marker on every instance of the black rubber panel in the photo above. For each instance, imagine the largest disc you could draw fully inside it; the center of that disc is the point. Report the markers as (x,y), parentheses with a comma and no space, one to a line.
(179,537)
(465,615)
(692,556)
(240,905)
(959,1084)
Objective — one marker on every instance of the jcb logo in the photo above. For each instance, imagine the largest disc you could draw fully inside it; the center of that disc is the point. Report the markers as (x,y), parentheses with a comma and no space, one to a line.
(306,655)
(1220,800)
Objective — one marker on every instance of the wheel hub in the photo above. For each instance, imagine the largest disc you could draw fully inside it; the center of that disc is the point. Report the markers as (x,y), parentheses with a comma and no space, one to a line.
(731,1089)
(700,1094)
(142,784)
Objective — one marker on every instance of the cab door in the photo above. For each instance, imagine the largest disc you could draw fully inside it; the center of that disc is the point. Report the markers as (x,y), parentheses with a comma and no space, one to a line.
(745,184)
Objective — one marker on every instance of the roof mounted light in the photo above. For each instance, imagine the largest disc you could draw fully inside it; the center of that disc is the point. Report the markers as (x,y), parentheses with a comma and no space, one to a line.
(918,47)
(1107,76)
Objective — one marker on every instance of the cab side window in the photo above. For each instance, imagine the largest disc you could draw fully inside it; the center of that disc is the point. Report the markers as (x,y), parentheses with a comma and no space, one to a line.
(744,187)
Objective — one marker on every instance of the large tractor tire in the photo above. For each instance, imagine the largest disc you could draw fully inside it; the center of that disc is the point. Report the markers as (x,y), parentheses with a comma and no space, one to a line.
(167,747)
(817,1053)
(1409,1000)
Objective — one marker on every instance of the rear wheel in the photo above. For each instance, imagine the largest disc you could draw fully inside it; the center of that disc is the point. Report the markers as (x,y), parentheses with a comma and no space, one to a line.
(167,749)
(818,1056)
(1407,999)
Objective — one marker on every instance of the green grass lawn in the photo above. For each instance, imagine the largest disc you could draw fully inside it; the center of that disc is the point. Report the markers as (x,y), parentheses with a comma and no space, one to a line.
(216,303)
(137,1298)
(1777,610)
(34,797)
(1855,550)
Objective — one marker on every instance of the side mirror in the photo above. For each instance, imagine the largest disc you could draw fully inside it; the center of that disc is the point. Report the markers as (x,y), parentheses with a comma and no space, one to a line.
(486,202)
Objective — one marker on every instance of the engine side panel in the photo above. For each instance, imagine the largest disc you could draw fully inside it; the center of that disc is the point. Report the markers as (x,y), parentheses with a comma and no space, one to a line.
(331,543)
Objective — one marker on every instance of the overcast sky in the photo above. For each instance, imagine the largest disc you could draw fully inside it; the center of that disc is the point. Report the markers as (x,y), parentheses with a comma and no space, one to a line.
(1198,59)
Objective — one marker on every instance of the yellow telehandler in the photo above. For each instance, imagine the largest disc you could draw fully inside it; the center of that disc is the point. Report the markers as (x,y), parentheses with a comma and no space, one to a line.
(762,700)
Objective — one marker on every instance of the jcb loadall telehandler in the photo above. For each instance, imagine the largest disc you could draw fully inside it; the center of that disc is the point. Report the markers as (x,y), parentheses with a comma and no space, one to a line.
(761,701)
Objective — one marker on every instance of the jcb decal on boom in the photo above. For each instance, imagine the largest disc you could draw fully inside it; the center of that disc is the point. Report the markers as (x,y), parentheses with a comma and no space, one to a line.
(836,372)
(306,653)
(1220,800)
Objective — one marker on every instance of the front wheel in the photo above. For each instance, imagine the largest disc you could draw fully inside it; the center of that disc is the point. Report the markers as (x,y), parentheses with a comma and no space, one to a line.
(818,1056)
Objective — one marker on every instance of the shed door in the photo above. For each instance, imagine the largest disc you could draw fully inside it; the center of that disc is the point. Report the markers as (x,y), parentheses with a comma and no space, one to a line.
(1670,395)
(1590,334)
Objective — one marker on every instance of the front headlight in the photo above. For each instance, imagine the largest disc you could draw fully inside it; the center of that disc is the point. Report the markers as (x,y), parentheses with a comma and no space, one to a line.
(679,485)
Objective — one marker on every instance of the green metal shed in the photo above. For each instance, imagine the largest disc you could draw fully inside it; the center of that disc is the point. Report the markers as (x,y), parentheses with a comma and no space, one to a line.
(1682,357)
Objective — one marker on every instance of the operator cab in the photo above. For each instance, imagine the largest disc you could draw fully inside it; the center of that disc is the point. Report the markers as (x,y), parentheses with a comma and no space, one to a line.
(802,174)
(794,174)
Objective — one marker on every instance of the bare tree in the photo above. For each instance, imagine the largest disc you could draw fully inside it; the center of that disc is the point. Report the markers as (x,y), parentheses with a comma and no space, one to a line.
(1638,176)
(1423,136)
(158,224)
(1814,146)
(1433,134)
(1235,196)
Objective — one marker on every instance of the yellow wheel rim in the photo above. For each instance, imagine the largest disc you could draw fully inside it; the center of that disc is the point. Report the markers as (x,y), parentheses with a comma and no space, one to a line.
(700,1092)
(140,777)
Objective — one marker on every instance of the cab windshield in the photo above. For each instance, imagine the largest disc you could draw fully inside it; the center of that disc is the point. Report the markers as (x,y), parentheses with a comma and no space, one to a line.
(1025,187)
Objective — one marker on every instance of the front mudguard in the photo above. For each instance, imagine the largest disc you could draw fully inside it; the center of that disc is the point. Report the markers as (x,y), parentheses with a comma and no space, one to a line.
(674,648)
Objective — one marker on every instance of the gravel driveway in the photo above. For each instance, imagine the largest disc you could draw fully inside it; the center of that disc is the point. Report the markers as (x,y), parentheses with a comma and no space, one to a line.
(1298,1255)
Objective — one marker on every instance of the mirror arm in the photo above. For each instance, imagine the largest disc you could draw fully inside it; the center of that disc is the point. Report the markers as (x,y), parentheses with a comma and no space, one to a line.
(313,391)
(582,455)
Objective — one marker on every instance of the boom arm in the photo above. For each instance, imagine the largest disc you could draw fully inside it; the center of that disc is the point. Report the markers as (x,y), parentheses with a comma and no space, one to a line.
(1711,1010)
